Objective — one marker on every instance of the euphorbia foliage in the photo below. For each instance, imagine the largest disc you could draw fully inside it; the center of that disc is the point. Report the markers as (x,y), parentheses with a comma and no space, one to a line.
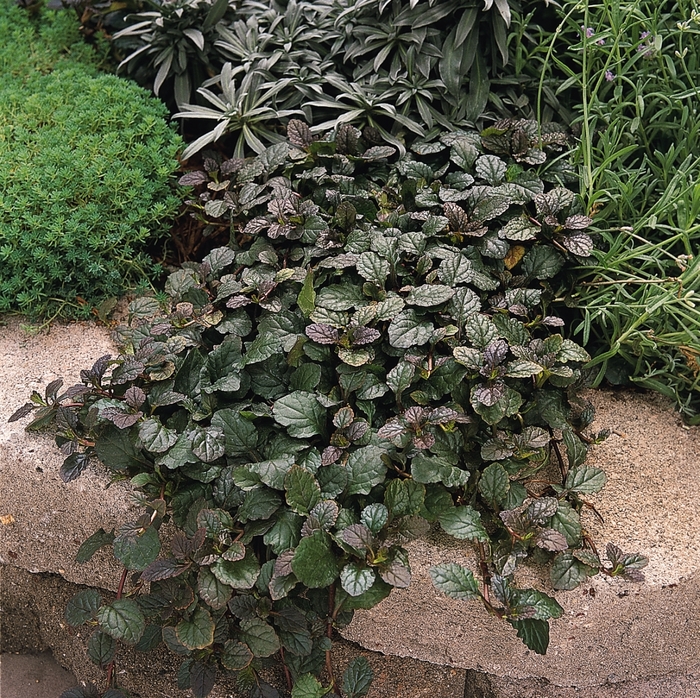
(372,354)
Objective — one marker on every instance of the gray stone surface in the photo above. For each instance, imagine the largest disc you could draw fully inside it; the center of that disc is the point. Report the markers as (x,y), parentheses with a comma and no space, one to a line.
(478,685)
(44,520)
(621,632)
(33,676)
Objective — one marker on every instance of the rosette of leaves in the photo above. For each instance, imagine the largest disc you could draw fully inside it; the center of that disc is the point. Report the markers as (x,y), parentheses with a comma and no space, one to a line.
(171,46)
(355,366)
(282,43)
(399,68)
(434,58)
(246,107)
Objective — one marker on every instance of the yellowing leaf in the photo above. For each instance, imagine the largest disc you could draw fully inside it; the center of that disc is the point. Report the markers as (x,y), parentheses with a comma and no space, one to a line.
(514,255)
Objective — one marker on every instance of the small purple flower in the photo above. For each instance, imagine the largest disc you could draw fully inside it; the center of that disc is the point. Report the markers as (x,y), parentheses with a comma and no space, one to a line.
(647,48)
(601,42)
(609,75)
(589,31)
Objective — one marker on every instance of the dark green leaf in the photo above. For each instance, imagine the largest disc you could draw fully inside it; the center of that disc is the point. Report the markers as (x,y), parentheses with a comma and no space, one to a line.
(307,296)
(115,449)
(214,592)
(101,648)
(285,533)
(400,377)
(73,466)
(333,479)
(197,632)
(407,331)
(567,572)
(537,603)
(89,547)
(375,517)
(356,579)
(372,267)
(585,480)
(236,656)
(301,413)
(357,678)
(491,168)
(494,483)
(308,686)
(136,547)
(172,643)
(576,450)
(427,469)
(302,491)
(365,469)
(455,581)
(377,593)
(208,444)
(429,295)
(534,633)
(219,258)
(542,262)
(155,437)
(314,563)
(241,574)
(122,620)
(480,330)
(404,497)
(260,637)
(150,639)
(340,297)
(566,520)
(463,522)
(272,472)
(202,679)
(240,434)
(83,607)
(570,351)
(306,377)
(518,229)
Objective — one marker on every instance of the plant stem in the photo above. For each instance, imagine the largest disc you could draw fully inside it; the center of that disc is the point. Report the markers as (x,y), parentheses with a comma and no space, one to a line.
(287,675)
(120,590)
(329,634)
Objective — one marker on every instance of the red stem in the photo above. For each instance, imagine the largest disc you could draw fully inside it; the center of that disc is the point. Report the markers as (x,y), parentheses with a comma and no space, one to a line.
(287,675)
(329,634)
(120,590)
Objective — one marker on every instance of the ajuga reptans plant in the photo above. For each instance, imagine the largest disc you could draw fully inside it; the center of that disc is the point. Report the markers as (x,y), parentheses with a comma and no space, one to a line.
(371,355)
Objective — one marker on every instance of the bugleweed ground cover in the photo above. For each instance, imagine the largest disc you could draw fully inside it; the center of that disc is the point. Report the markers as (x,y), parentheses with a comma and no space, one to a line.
(382,334)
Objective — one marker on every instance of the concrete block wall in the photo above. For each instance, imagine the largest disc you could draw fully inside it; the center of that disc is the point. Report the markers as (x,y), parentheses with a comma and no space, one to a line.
(616,638)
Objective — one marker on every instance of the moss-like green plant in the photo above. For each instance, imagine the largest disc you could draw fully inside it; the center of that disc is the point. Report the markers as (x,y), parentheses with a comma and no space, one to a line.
(39,40)
(86,164)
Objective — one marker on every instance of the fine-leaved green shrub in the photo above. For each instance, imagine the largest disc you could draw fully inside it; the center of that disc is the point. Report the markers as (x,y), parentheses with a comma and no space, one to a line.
(42,41)
(372,354)
(86,168)
(86,165)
